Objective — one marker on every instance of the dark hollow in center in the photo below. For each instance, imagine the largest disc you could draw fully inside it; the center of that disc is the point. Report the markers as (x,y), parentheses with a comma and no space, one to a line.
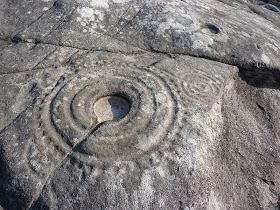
(111,108)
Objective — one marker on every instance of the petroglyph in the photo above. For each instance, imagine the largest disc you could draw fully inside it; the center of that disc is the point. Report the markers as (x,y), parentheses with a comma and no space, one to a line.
(77,119)
(201,87)
(113,118)
(66,118)
(139,105)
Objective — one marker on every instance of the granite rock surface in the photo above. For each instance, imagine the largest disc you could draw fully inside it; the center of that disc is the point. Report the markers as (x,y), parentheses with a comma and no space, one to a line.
(121,104)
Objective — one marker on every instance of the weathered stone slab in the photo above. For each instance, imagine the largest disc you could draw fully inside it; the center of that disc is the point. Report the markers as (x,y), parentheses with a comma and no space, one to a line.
(20,90)
(238,32)
(210,29)
(59,136)
(28,56)
(101,108)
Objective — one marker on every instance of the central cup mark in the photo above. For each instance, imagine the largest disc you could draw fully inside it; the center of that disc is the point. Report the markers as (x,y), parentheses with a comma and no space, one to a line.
(210,29)
(111,108)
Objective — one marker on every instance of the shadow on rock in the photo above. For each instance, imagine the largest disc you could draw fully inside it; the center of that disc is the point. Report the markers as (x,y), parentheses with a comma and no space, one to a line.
(261,78)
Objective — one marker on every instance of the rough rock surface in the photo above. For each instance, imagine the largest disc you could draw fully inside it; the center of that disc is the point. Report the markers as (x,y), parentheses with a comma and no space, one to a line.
(189,116)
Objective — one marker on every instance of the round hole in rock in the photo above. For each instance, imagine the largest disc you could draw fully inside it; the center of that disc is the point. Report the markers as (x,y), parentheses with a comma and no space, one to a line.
(210,29)
(111,108)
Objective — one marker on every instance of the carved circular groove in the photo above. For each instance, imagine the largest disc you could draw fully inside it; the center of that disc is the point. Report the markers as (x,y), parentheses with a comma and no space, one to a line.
(200,87)
(108,115)
(111,108)
(115,113)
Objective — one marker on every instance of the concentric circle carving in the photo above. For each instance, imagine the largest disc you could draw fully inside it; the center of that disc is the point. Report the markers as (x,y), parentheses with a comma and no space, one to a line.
(68,124)
(66,116)
(201,87)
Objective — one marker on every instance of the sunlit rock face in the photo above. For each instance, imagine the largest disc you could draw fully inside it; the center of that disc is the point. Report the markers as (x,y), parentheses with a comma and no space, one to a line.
(120,104)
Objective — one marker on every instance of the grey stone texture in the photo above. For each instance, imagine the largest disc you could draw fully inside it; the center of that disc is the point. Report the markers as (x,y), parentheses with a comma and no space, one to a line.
(121,104)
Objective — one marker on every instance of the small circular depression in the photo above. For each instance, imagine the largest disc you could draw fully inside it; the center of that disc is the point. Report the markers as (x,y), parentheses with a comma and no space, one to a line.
(210,29)
(111,108)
